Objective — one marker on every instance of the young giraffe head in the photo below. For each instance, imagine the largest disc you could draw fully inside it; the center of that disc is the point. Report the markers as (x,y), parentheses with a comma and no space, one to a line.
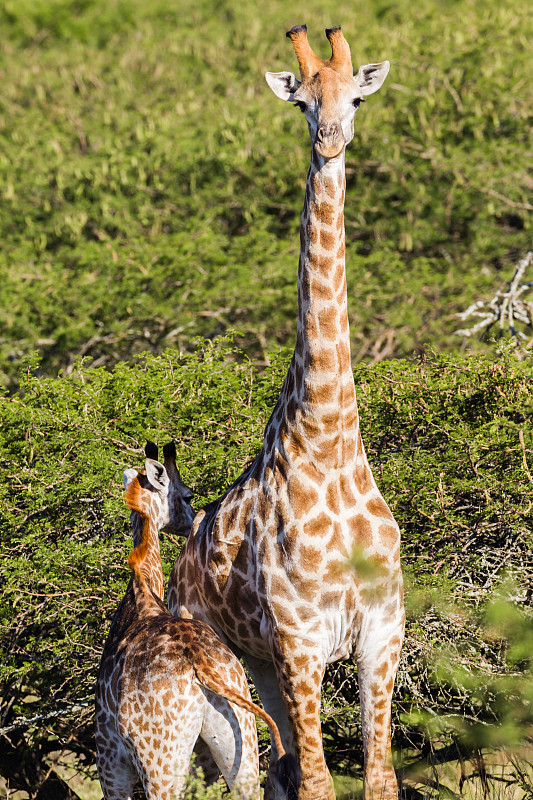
(328,93)
(166,499)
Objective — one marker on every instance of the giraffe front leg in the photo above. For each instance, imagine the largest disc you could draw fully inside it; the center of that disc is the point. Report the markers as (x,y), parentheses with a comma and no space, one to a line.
(376,669)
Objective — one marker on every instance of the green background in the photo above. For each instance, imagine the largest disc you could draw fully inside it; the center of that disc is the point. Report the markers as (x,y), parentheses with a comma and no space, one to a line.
(151,187)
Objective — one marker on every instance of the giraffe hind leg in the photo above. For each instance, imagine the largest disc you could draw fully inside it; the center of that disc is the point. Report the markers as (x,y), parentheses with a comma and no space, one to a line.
(204,763)
(116,770)
(165,777)
(266,682)
(231,735)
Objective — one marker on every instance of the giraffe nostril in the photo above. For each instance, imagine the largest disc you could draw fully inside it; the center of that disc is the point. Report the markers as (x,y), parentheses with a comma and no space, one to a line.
(327,132)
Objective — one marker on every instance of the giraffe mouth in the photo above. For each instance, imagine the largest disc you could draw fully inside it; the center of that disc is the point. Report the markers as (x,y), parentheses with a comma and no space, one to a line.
(329,150)
(329,139)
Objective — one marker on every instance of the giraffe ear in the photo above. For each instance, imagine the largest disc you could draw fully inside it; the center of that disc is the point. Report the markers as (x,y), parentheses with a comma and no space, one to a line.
(128,476)
(283,84)
(370,77)
(150,450)
(156,474)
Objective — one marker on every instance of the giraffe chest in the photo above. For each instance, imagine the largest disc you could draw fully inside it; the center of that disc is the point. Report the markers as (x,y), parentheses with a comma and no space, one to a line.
(283,576)
(279,558)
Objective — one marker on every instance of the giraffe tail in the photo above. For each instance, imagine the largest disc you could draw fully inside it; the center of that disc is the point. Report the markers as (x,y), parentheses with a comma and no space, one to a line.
(288,771)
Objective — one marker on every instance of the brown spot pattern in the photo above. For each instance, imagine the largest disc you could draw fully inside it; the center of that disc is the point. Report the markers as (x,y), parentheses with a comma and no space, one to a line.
(378,508)
(320,291)
(348,497)
(318,526)
(327,240)
(328,323)
(363,479)
(321,393)
(310,558)
(311,472)
(332,497)
(361,531)
(302,498)
(324,212)
(388,536)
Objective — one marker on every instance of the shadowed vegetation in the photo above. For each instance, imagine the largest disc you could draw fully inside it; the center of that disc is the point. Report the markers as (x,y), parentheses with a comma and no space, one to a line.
(449,439)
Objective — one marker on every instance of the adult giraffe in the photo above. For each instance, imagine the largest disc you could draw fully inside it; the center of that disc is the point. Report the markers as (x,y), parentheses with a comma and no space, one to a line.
(265,563)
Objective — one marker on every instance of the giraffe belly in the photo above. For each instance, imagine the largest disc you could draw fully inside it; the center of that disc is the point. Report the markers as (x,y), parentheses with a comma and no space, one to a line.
(340,644)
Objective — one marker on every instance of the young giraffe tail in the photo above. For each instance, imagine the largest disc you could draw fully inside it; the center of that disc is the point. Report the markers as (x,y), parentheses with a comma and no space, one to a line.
(288,770)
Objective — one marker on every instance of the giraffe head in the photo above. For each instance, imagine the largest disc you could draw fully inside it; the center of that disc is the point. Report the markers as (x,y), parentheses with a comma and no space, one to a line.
(164,497)
(328,93)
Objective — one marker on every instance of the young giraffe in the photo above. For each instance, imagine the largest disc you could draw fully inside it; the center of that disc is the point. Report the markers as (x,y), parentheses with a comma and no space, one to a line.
(164,682)
(264,563)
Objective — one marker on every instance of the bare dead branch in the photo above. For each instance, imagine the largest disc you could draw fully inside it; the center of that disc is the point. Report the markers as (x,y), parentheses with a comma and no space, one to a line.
(507,308)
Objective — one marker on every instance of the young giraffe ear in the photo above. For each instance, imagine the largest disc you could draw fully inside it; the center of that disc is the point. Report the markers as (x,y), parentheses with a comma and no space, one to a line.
(283,84)
(128,476)
(370,77)
(150,450)
(156,474)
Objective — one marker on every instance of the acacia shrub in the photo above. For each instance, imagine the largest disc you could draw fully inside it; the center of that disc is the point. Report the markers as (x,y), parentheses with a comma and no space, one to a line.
(450,444)
(153,185)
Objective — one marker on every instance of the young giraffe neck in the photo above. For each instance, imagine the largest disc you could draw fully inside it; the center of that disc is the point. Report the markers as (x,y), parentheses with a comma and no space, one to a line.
(151,566)
(320,409)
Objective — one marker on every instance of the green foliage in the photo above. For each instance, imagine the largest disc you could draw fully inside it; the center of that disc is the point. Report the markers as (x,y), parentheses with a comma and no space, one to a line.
(498,688)
(152,184)
(502,699)
(151,193)
(450,444)
(453,444)
(480,703)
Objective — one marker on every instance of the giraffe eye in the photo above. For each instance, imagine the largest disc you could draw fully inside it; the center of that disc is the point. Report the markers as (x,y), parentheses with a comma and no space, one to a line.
(357,102)
(301,105)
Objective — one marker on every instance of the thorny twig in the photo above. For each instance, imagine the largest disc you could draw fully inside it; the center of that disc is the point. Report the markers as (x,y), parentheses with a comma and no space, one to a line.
(507,308)
(24,722)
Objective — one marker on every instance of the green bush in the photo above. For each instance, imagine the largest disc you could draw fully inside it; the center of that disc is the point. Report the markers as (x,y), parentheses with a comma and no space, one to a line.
(152,184)
(450,444)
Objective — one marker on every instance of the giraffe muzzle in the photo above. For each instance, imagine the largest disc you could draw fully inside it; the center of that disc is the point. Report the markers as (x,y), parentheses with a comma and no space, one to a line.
(329,141)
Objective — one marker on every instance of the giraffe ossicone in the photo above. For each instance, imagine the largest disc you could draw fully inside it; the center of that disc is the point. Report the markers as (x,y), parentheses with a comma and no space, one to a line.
(166,683)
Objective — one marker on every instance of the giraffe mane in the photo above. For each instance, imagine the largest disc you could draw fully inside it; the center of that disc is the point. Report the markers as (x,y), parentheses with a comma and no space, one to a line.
(134,500)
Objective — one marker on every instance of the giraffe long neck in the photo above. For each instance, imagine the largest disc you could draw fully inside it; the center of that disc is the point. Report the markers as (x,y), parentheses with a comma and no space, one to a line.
(138,600)
(148,532)
(317,411)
